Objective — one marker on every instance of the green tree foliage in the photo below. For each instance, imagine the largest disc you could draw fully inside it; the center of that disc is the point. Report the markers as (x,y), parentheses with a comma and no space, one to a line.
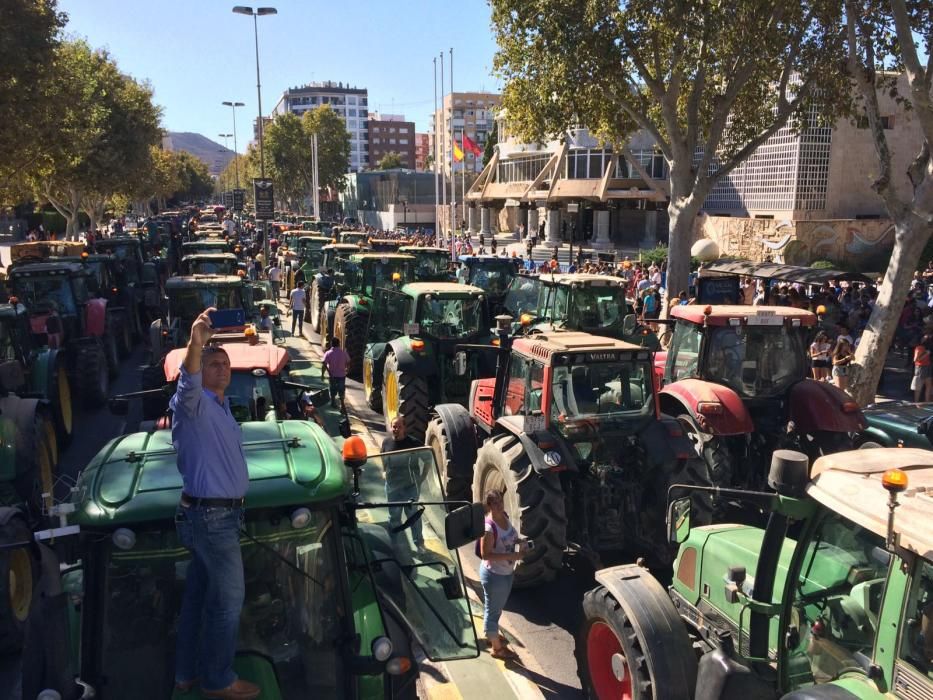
(490,148)
(709,81)
(389,161)
(29,34)
(889,47)
(194,176)
(333,145)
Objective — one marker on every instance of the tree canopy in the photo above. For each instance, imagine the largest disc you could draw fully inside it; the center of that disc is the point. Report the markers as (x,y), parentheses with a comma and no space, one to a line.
(709,81)
(389,161)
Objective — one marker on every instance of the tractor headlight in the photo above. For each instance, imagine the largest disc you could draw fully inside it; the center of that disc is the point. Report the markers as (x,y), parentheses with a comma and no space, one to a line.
(382,648)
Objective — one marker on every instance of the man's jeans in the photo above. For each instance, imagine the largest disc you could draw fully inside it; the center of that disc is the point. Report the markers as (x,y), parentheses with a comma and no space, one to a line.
(298,316)
(338,388)
(404,493)
(275,289)
(209,623)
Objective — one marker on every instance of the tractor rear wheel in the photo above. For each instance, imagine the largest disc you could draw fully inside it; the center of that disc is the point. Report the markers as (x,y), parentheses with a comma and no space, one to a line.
(92,376)
(19,575)
(111,349)
(371,390)
(452,436)
(124,334)
(534,502)
(618,657)
(350,329)
(37,457)
(405,394)
(314,308)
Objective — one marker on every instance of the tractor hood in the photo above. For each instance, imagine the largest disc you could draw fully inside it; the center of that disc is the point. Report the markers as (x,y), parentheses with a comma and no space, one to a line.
(135,478)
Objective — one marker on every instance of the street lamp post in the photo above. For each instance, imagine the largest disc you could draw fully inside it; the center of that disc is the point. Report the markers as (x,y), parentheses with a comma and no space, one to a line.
(260,11)
(236,153)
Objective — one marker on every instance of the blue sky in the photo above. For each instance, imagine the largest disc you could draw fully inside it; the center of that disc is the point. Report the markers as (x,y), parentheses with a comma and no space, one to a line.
(197,53)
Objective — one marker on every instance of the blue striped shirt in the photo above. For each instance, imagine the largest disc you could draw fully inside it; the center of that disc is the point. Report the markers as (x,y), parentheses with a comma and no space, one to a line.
(208,440)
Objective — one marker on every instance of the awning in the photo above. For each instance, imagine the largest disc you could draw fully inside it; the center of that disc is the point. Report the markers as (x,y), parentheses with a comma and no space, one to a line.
(785,273)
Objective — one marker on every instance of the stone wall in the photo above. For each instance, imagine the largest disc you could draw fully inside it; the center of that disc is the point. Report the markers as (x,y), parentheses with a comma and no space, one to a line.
(854,243)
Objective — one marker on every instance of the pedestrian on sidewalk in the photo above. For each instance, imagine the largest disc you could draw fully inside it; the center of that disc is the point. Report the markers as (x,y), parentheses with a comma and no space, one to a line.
(209,443)
(297,303)
(922,383)
(497,551)
(842,358)
(275,279)
(336,360)
(403,475)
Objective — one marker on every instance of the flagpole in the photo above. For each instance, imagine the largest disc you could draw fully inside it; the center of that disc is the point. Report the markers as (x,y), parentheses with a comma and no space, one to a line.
(463,176)
(453,180)
(437,189)
(444,145)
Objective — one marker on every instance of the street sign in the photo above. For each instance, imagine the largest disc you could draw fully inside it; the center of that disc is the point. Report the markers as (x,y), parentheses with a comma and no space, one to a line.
(263,197)
(238,197)
(228,200)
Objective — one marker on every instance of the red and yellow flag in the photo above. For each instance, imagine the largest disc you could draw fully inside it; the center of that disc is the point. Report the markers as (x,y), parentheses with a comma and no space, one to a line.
(458,153)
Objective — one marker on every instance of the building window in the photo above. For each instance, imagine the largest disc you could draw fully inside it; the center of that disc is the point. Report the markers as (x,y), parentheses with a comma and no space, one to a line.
(351,100)
(391,142)
(391,129)
(351,112)
(403,142)
(375,129)
(377,140)
(363,101)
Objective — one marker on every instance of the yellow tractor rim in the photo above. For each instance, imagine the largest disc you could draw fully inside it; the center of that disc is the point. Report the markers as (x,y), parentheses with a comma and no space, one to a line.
(391,391)
(20,584)
(64,400)
(51,440)
(367,378)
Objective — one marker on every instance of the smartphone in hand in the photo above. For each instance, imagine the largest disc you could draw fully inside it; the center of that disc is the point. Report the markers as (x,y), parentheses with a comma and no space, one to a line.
(227,318)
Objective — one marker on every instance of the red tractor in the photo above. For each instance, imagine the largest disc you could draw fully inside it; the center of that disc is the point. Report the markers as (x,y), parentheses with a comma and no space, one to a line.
(571,432)
(737,379)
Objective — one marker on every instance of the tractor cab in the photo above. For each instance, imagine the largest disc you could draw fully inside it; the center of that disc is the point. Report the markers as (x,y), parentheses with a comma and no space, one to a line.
(492,273)
(433,264)
(579,302)
(310,250)
(386,245)
(47,289)
(207,245)
(363,273)
(322,286)
(137,273)
(359,238)
(209,264)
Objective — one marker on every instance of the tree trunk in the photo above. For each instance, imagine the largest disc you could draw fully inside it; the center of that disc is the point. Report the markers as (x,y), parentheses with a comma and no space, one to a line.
(911,234)
(682,212)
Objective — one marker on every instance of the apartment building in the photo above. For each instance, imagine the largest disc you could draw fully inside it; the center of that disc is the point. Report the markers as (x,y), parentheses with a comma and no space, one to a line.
(472,113)
(422,151)
(350,103)
(390,133)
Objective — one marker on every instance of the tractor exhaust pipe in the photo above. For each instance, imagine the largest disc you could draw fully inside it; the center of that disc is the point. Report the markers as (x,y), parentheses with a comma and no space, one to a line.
(504,334)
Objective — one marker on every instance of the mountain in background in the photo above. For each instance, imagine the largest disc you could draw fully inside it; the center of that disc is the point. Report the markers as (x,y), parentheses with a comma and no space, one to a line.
(212,154)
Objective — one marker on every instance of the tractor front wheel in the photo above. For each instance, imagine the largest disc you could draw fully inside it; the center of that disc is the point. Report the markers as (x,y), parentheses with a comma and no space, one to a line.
(315,307)
(350,329)
(371,391)
(452,436)
(404,394)
(19,575)
(59,395)
(533,500)
(92,376)
(635,659)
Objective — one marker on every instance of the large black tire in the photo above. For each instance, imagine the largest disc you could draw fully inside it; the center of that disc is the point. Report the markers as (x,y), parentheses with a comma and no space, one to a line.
(36,455)
(350,328)
(124,334)
(111,349)
(645,658)
(92,376)
(534,502)
(451,434)
(19,575)
(712,450)
(372,388)
(315,306)
(404,394)
(153,377)
(60,399)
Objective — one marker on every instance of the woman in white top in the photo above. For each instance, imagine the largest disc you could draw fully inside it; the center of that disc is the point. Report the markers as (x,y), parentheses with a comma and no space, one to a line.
(497,549)
(820,350)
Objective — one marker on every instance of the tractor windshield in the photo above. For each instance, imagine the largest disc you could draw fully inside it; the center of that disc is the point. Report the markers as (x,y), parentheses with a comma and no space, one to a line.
(188,302)
(44,292)
(250,397)
(128,257)
(450,318)
(494,276)
(755,361)
(432,266)
(378,273)
(522,297)
(600,390)
(593,308)
(290,628)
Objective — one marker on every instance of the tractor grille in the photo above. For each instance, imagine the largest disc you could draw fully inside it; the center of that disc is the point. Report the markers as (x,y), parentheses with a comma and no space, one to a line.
(909,684)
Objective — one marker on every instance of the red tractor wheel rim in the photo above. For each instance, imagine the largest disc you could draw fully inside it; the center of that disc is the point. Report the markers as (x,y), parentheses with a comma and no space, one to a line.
(602,645)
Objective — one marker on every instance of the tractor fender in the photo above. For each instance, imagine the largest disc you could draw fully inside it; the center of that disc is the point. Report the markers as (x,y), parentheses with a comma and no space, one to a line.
(354,301)
(686,395)
(95,317)
(875,434)
(818,406)
(377,351)
(422,363)
(42,373)
(155,340)
(665,441)
(515,425)
(830,691)
(656,624)
(22,412)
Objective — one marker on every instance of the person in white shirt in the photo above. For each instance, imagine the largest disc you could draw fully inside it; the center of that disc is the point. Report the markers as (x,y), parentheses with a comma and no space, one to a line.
(275,278)
(229,226)
(296,302)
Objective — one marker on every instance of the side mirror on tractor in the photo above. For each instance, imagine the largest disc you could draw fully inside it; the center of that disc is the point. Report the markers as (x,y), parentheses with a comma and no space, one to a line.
(629,324)
(464,525)
(678,520)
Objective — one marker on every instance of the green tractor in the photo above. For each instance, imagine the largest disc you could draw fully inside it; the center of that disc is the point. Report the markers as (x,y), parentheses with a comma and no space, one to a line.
(576,302)
(187,297)
(433,263)
(336,597)
(412,360)
(494,274)
(832,600)
(321,285)
(356,281)
(138,277)
(209,264)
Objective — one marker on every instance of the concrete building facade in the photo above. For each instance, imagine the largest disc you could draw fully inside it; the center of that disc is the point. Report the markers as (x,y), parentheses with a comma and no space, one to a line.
(350,103)
(472,113)
(422,151)
(390,133)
